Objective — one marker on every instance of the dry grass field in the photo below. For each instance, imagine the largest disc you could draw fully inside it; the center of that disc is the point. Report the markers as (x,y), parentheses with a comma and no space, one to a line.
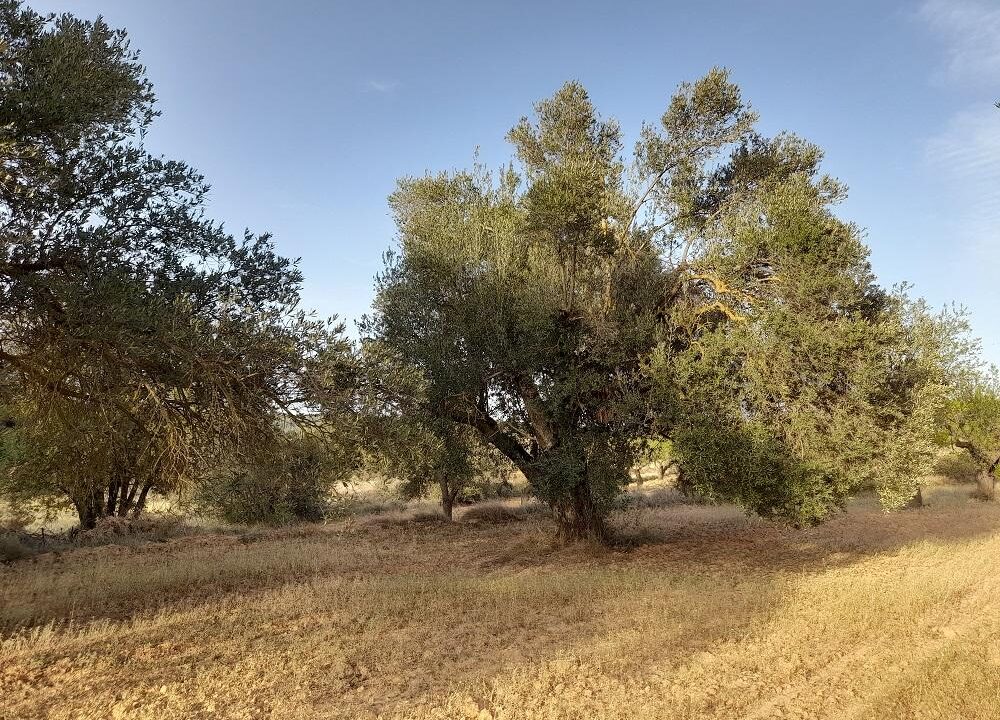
(699,613)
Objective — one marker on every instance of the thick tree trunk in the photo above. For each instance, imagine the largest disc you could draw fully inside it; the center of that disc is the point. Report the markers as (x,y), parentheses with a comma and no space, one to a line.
(88,519)
(986,480)
(917,501)
(90,507)
(140,503)
(577,517)
(113,491)
(448,497)
(128,499)
(986,485)
(82,508)
(683,484)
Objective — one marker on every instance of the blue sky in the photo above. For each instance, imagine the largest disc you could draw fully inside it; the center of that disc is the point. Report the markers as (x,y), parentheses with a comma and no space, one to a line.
(303,113)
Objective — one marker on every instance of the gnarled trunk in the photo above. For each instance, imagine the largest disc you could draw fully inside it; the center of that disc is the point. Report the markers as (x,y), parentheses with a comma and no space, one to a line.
(86,512)
(140,503)
(90,507)
(577,518)
(986,485)
(986,479)
(917,501)
(448,497)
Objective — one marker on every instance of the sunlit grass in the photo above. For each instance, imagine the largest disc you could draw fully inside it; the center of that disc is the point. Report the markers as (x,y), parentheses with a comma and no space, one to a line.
(705,614)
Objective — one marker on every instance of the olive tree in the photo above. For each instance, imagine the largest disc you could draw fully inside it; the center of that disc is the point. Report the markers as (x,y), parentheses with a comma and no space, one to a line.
(535,302)
(510,305)
(702,291)
(656,452)
(971,421)
(138,338)
(429,453)
(406,443)
(807,382)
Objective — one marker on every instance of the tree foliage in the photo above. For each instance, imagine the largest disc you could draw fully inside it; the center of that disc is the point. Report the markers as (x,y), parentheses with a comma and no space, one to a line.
(970,420)
(654,451)
(703,292)
(292,479)
(137,336)
(423,453)
(407,444)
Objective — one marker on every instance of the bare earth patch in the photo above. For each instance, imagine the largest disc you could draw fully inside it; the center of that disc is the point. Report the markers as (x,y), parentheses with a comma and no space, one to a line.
(700,613)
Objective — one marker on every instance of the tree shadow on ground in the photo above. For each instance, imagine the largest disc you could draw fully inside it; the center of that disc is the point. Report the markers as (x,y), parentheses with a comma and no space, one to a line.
(738,573)
(394,616)
(723,534)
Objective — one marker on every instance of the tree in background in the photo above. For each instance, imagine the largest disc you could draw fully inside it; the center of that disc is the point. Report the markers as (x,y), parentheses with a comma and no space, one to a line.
(960,401)
(971,421)
(138,339)
(421,455)
(654,451)
(406,443)
(707,295)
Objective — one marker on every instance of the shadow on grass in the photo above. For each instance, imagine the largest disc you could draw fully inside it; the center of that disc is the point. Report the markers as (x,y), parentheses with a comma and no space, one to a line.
(725,535)
(433,606)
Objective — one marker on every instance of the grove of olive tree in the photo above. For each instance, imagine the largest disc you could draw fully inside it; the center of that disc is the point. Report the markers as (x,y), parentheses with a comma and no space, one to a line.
(574,313)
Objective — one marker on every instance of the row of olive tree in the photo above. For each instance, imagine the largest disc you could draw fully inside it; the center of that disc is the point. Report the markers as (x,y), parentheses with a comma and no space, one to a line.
(555,317)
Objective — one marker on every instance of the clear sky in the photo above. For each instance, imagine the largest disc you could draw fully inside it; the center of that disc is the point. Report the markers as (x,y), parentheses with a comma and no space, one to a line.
(303,113)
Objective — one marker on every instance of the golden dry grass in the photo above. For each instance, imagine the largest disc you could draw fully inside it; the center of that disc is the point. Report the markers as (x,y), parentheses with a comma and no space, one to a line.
(704,614)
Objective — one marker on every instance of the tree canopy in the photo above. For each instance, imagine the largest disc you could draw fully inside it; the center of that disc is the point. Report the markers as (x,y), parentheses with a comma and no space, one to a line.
(701,290)
(574,312)
(136,334)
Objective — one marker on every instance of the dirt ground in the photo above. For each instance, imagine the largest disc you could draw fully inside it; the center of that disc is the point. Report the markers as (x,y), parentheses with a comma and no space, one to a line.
(699,612)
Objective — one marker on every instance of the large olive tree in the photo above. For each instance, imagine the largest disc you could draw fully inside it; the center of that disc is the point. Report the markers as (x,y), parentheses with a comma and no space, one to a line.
(138,338)
(701,291)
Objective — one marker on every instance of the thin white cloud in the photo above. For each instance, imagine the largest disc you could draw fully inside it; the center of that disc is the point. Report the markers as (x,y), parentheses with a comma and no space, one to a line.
(963,156)
(971,32)
(382,86)
(967,153)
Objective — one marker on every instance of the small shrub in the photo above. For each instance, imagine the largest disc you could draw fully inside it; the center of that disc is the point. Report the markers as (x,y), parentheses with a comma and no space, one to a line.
(489,486)
(957,466)
(428,517)
(288,484)
(494,513)
(13,549)
(250,498)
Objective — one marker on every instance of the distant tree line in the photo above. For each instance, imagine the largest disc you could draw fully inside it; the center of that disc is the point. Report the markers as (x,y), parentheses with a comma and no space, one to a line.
(568,316)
